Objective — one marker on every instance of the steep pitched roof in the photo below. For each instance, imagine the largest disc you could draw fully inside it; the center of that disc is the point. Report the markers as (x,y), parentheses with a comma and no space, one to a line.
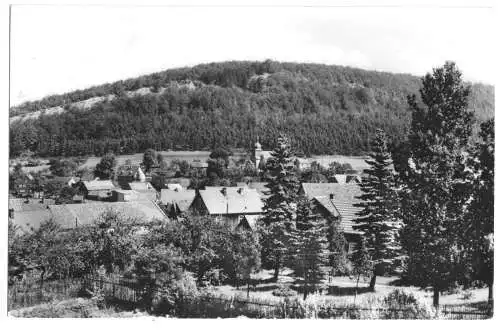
(98,185)
(231,200)
(70,215)
(312,190)
(342,203)
(183,198)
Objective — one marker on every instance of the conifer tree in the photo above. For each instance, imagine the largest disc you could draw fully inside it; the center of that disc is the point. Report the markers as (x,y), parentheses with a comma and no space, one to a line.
(480,216)
(432,206)
(279,206)
(308,246)
(377,219)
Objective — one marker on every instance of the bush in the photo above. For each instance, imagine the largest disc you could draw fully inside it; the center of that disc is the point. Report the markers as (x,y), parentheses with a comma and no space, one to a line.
(284,291)
(177,297)
(467,295)
(406,304)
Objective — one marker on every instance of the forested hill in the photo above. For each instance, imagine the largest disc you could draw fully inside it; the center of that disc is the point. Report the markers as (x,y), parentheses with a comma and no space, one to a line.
(324,109)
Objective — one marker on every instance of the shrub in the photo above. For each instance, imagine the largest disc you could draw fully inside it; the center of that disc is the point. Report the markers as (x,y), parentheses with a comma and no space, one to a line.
(406,304)
(467,295)
(284,291)
(177,297)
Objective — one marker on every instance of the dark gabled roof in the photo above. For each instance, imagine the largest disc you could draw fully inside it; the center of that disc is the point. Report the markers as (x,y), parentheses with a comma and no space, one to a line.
(312,190)
(342,203)
(231,200)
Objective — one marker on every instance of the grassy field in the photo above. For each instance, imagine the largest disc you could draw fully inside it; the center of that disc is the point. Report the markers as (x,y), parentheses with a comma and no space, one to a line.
(342,289)
(74,308)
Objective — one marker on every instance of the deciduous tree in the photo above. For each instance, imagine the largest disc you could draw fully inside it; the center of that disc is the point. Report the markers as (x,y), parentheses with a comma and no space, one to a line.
(432,205)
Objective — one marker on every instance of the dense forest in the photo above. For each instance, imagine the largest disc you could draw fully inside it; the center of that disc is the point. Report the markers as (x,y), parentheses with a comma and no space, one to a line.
(324,109)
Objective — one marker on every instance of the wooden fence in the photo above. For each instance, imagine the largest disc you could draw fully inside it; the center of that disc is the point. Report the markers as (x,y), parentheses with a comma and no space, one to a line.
(131,292)
(221,306)
(33,292)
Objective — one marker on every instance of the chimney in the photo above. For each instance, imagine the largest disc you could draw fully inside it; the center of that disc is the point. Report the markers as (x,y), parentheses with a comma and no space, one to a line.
(332,195)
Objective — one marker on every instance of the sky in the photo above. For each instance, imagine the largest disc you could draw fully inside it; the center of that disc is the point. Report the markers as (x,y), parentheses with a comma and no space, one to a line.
(56,49)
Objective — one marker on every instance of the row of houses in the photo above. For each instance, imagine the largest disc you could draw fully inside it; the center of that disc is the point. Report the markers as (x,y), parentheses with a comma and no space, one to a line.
(239,207)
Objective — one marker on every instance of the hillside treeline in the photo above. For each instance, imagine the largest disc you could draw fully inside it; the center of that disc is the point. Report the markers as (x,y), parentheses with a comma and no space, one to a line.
(324,109)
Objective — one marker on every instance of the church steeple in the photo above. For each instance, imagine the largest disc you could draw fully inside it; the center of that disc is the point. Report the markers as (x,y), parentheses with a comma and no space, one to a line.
(258,147)
(257,153)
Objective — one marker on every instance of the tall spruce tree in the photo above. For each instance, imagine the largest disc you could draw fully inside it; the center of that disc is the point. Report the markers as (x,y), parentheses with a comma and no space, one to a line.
(432,206)
(378,219)
(309,246)
(279,206)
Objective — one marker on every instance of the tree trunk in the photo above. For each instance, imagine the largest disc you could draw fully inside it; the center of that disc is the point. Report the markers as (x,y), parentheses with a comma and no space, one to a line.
(248,289)
(356,292)
(276,269)
(490,292)
(435,297)
(373,280)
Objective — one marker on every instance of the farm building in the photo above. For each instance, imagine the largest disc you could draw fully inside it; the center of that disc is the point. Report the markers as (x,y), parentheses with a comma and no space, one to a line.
(96,189)
(236,206)
(177,201)
(129,173)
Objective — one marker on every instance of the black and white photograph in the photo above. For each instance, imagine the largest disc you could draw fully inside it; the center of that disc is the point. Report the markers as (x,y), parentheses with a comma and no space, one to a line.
(265,160)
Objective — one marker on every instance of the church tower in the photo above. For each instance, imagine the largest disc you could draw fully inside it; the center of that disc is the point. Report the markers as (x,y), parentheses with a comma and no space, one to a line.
(258,153)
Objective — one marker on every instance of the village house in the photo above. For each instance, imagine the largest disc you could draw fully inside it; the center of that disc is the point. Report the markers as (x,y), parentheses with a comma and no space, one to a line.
(338,201)
(176,201)
(236,206)
(129,173)
(96,189)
